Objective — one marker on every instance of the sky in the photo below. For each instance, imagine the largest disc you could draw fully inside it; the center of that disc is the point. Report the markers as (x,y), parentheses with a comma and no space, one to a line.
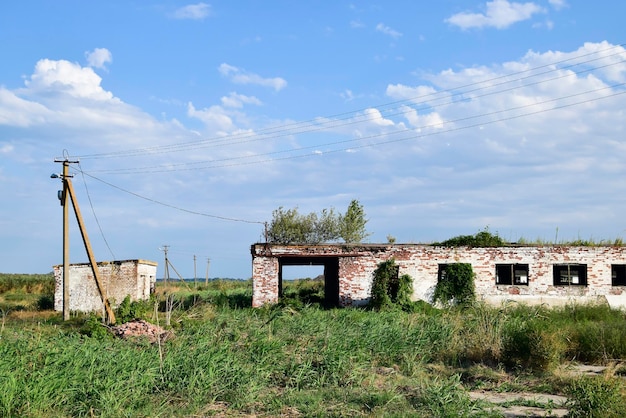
(189,123)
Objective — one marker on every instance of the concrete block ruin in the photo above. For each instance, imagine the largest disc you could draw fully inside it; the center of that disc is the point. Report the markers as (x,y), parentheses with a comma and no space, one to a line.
(136,278)
(529,274)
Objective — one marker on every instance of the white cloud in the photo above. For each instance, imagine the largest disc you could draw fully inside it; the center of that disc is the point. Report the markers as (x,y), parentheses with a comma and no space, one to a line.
(6,148)
(499,14)
(235,100)
(98,57)
(214,117)
(356,24)
(558,4)
(388,31)
(64,77)
(240,76)
(400,91)
(193,11)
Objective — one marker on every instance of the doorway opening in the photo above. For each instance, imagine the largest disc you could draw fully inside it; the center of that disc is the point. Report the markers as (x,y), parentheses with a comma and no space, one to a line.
(311,280)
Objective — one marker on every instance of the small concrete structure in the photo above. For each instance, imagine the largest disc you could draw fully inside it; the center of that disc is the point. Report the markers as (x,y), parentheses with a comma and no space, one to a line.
(554,274)
(136,278)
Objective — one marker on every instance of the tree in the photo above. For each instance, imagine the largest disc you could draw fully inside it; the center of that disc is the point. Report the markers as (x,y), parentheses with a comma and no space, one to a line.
(291,227)
(352,225)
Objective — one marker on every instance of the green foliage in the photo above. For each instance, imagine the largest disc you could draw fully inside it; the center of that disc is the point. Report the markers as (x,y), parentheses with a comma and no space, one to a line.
(288,226)
(352,224)
(446,397)
(483,238)
(456,285)
(28,283)
(94,328)
(389,289)
(228,359)
(45,303)
(597,396)
(127,310)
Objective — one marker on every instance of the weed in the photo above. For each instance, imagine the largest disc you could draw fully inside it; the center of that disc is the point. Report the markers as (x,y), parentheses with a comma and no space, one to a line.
(596,396)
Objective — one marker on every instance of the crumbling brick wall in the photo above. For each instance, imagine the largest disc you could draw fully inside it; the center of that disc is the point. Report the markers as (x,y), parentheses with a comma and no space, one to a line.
(357,264)
(119,279)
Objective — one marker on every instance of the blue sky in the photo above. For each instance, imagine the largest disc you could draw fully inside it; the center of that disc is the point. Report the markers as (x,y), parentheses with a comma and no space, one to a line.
(192,122)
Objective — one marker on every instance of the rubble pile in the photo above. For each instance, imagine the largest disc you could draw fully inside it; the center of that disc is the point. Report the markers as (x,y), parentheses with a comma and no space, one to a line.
(139,329)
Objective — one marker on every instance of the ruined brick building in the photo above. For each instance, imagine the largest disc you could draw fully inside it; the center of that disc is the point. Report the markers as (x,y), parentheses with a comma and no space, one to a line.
(135,278)
(549,274)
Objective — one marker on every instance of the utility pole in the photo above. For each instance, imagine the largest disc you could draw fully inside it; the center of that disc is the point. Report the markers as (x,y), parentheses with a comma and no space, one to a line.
(166,272)
(68,190)
(62,194)
(206,279)
(195,275)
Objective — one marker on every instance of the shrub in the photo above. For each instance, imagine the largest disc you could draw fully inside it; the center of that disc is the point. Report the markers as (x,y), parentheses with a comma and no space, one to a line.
(595,397)
(94,328)
(483,238)
(45,302)
(127,310)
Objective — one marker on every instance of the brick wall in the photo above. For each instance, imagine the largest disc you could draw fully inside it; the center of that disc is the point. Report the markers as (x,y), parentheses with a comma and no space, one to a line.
(358,262)
(119,279)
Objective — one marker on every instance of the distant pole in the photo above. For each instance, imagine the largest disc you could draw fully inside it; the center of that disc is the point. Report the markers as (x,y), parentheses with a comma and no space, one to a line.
(206,279)
(166,273)
(195,275)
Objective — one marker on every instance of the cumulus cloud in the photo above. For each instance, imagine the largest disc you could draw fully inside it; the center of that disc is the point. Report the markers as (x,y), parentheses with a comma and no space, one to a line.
(193,11)
(499,14)
(240,76)
(67,78)
(388,31)
(99,57)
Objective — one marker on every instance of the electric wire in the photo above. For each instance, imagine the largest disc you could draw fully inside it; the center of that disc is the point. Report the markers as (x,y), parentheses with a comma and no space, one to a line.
(314,124)
(216,163)
(335,151)
(93,211)
(353,117)
(224,218)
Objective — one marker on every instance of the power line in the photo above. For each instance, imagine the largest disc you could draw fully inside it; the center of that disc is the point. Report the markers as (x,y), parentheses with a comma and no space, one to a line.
(348,117)
(224,161)
(224,218)
(93,211)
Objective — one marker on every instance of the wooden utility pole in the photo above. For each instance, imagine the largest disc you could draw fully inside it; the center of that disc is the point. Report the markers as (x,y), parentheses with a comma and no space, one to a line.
(206,278)
(166,272)
(66,240)
(195,275)
(68,190)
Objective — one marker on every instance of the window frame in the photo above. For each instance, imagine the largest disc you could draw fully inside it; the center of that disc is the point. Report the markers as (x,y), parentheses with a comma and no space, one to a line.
(618,274)
(571,268)
(514,279)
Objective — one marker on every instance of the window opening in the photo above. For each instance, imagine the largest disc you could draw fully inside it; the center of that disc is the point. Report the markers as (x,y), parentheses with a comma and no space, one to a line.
(570,274)
(512,274)
(618,274)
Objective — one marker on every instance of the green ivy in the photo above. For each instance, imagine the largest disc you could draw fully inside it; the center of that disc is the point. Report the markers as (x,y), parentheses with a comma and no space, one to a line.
(455,285)
(389,289)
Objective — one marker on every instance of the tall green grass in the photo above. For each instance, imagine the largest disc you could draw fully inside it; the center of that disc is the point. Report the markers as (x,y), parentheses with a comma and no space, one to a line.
(292,358)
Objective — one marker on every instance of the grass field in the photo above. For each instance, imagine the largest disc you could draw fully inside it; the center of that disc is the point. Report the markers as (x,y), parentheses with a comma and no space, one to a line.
(297,359)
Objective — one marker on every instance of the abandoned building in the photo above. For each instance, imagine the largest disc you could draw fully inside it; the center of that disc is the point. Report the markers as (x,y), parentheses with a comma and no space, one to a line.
(134,278)
(550,274)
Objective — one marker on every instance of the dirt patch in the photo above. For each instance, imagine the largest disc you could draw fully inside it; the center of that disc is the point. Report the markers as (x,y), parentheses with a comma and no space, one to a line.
(138,329)
(524,404)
